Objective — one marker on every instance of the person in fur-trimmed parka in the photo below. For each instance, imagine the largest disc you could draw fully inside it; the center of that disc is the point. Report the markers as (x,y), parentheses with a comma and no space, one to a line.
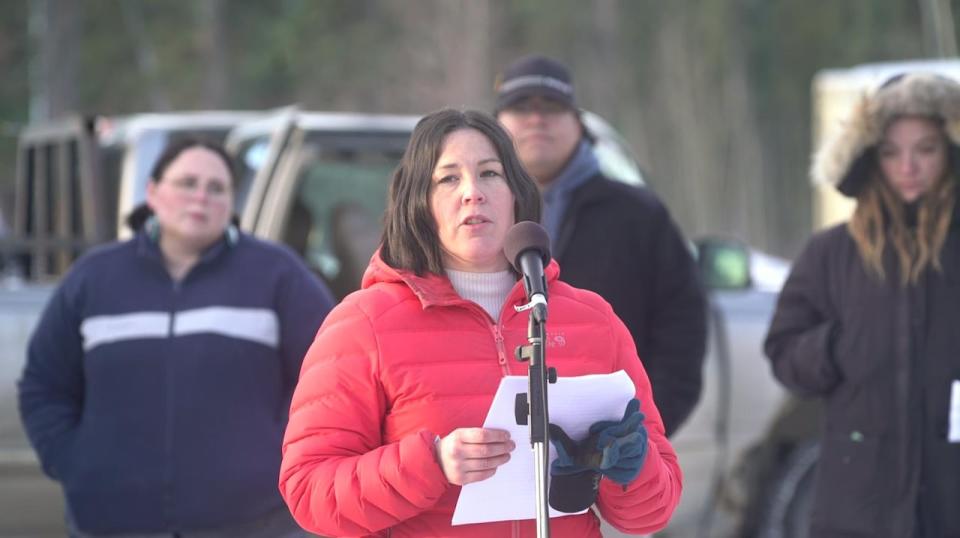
(868,318)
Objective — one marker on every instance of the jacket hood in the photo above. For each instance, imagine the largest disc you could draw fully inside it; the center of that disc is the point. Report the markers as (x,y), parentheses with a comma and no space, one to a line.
(846,159)
(430,288)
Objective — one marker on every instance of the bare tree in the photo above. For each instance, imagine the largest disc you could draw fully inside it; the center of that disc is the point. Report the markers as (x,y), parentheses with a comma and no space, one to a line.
(599,61)
(705,153)
(212,42)
(55,31)
(465,24)
(938,28)
(444,55)
(146,57)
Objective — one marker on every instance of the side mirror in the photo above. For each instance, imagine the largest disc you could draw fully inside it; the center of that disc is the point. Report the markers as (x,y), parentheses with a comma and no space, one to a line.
(724,263)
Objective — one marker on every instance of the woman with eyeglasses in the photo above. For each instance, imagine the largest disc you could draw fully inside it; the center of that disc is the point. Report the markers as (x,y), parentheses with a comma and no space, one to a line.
(159,378)
(868,319)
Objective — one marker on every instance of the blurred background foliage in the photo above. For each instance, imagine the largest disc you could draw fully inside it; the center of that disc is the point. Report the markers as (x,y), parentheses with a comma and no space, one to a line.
(713,95)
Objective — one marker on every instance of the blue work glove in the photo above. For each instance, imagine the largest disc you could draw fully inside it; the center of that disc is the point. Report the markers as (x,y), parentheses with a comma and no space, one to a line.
(615,449)
(621,445)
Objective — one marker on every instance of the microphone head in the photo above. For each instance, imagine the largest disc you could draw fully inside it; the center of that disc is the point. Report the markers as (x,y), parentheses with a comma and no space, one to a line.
(523,236)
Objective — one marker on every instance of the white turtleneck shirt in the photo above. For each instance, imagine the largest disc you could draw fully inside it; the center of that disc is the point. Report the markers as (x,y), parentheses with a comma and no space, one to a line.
(489,290)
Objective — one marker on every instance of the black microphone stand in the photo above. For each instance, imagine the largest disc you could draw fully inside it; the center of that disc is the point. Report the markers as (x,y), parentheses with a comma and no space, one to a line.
(532,408)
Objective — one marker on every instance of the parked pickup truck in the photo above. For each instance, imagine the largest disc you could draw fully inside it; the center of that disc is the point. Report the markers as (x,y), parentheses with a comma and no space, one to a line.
(317,181)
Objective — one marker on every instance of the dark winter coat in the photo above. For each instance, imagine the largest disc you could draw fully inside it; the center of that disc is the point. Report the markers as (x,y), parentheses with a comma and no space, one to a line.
(620,242)
(882,356)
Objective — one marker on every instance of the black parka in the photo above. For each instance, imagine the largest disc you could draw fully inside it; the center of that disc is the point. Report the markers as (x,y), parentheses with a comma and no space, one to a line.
(620,242)
(882,356)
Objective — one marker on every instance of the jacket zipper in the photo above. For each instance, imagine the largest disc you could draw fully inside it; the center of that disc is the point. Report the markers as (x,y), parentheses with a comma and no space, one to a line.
(505,370)
(501,350)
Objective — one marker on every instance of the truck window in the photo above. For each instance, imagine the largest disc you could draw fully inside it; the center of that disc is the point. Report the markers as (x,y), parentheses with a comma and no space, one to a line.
(335,217)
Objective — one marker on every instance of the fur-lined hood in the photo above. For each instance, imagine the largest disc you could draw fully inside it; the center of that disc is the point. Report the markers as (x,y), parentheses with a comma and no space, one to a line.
(846,159)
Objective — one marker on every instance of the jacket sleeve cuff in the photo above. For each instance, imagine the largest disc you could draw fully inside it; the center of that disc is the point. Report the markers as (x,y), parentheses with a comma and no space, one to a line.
(422,449)
(646,504)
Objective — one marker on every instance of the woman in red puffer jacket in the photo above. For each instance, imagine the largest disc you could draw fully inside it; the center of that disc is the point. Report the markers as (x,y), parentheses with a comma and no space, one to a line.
(385,424)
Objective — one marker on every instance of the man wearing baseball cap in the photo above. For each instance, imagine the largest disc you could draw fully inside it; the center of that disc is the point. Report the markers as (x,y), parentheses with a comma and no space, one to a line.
(609,237)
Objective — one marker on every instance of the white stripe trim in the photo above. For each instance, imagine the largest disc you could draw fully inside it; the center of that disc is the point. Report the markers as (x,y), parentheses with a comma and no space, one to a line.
(259,325)
(99,330)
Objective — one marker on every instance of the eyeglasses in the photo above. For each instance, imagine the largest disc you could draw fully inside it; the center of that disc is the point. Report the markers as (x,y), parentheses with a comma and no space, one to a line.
(546,107)
(190,185)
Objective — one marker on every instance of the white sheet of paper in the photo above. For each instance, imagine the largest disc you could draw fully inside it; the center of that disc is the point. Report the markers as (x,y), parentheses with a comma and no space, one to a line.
(575,403)
(953,435)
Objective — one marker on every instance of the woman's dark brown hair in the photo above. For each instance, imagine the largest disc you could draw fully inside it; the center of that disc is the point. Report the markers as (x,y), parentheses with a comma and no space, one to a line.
(138,217)
(410,240)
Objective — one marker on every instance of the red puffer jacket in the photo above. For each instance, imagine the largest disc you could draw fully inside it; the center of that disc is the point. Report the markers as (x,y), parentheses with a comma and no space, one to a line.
(405,359)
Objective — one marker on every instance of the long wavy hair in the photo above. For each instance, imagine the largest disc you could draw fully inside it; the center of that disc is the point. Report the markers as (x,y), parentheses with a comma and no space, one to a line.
(880,216)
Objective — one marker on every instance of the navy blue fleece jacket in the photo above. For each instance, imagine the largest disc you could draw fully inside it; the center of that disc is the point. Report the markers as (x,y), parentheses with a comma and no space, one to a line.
(160,406)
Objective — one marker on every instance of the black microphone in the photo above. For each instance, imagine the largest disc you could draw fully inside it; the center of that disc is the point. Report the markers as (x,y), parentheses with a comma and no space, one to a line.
(527,247)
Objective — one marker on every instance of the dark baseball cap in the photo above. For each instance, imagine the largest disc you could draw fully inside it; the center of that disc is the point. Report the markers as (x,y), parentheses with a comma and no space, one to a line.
(534,75)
